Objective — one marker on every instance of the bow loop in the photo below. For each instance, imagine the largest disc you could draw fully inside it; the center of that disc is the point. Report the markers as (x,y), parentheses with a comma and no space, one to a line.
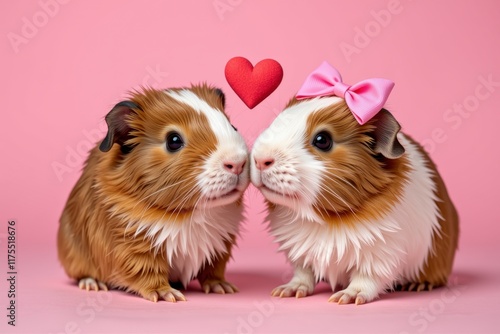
(365,99)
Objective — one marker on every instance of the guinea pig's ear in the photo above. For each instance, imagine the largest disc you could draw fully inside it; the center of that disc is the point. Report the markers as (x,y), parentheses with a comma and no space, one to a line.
(118,128)
(385,135)
(221,96)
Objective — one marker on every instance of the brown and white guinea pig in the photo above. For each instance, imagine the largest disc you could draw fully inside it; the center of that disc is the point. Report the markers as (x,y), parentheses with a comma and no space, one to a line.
(160,200)
(360,206)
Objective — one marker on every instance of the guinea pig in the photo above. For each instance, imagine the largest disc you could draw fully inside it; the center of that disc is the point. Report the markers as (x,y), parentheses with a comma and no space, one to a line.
(160,199)
(361,206)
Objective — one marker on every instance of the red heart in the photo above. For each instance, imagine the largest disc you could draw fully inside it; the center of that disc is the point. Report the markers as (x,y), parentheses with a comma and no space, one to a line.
(253,84)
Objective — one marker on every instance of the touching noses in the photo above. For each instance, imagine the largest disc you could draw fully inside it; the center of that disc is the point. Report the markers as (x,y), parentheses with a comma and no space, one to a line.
(263,163)
(235,167)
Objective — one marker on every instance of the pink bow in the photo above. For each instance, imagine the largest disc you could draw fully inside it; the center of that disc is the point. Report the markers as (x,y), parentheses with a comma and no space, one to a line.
(365,99)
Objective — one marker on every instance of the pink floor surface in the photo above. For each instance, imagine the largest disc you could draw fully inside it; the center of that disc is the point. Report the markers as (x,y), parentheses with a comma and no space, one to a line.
(50,303)
(66,63)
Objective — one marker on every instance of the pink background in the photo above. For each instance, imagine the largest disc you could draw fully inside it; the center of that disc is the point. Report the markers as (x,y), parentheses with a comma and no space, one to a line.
(82,57)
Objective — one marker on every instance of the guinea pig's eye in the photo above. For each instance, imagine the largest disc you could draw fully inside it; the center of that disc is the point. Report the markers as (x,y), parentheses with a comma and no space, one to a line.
(174,142)
(323,141)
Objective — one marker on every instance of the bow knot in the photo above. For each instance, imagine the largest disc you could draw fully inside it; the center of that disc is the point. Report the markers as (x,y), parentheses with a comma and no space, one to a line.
(340,88)
(365,99)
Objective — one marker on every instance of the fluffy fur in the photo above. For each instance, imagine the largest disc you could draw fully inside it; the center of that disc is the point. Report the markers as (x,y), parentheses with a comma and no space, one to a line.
(369,214)
(141,216)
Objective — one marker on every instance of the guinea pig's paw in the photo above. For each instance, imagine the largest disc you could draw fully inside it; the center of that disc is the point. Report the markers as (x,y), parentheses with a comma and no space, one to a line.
(297,289)
(415,286)
(351,295)
(89,283)
(218,286)
(168,294)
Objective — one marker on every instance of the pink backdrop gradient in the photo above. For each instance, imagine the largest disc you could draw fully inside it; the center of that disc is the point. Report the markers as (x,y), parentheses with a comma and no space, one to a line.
(66,63)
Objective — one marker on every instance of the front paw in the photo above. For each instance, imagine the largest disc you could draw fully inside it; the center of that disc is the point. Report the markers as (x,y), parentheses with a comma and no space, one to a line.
(218,286)
(297,289)
(168,294)
(90,283)
(415,286)
(351,295)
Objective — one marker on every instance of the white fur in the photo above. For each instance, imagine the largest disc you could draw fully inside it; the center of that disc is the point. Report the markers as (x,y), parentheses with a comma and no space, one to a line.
(366,257)
(215,181)
(194,242)
(218,122)
(391,248)
(303,280)
(294,173)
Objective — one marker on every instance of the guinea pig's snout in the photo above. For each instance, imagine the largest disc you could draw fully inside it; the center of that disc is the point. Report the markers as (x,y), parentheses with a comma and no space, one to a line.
(234,166)
(263,163)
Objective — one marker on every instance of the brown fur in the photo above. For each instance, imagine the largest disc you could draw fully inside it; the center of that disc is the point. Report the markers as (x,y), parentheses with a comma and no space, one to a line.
(367,185)
(440,261)
(115,188)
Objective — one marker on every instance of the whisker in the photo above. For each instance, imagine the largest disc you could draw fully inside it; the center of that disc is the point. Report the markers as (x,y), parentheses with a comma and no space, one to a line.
(335,194)
(332,192)
(159,190)
(186,180)
(333,207)
(328,170)
(183,201)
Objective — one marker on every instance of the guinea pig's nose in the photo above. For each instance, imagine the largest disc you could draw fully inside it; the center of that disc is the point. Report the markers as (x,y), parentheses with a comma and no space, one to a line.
(264,163)
(235,167)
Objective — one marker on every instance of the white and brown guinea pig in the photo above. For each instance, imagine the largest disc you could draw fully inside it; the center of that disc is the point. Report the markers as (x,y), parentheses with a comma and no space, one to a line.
(360,206)
(160,200)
